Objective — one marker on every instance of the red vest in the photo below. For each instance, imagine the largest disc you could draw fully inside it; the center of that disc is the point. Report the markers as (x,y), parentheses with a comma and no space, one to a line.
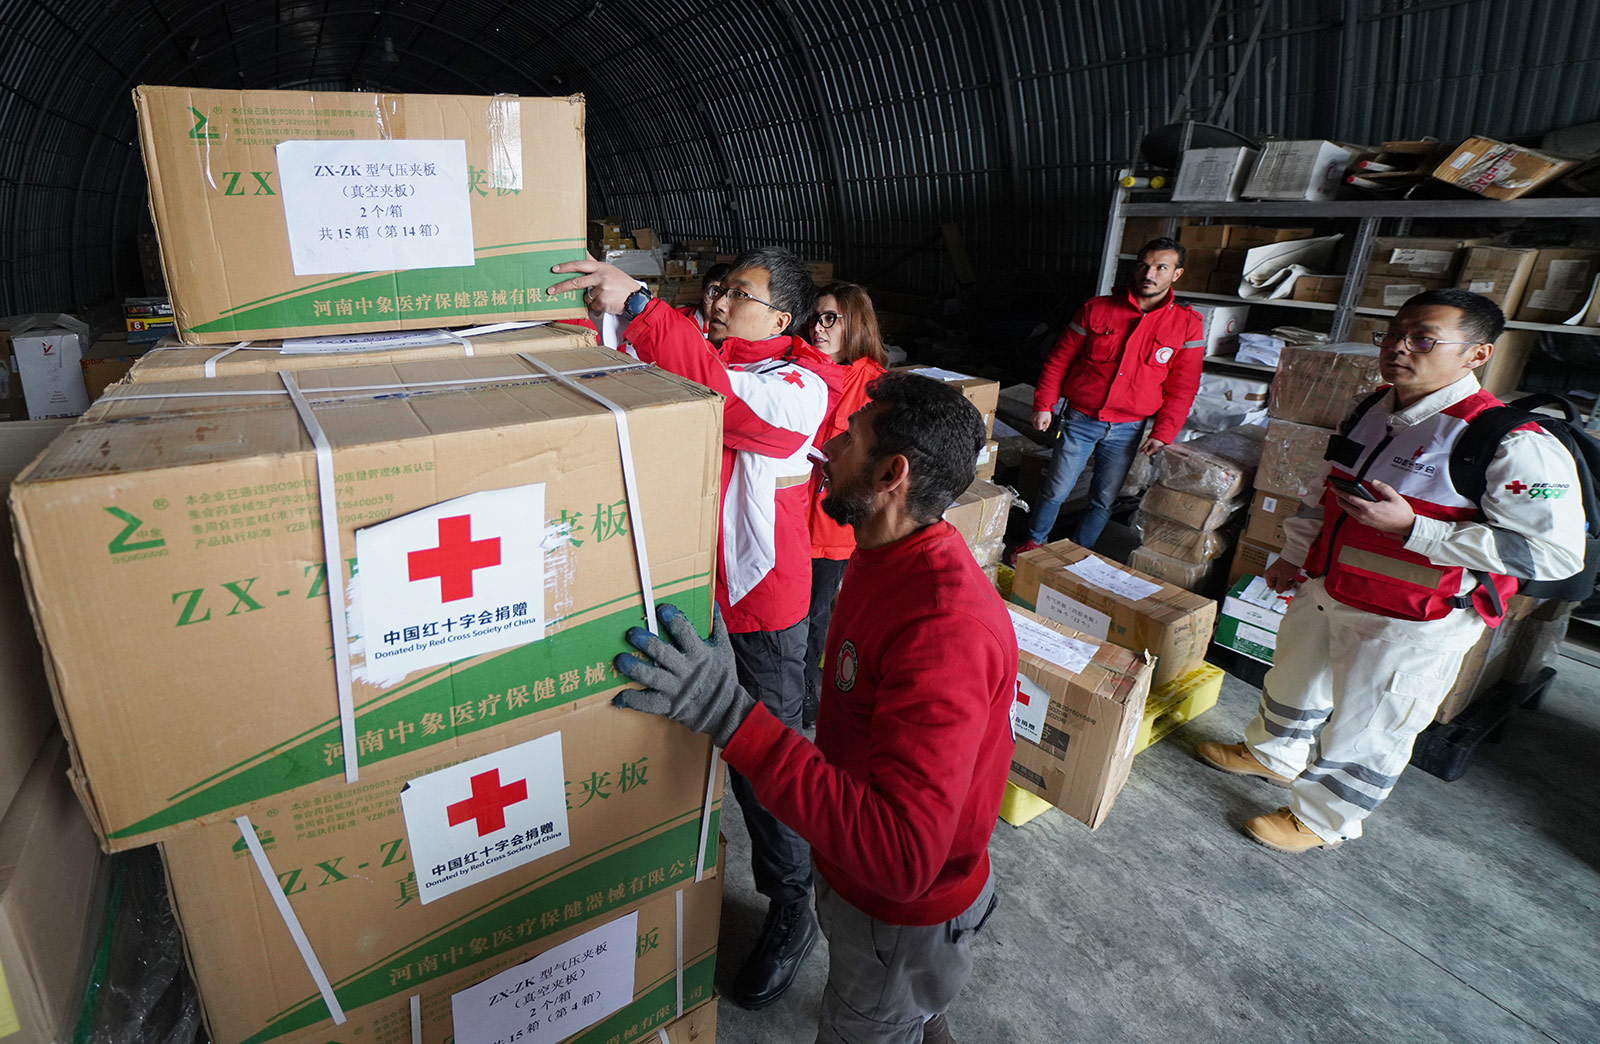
(1372,570)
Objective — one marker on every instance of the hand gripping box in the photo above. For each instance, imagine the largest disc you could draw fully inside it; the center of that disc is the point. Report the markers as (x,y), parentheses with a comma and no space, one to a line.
(632,801)
(282,213)
(1077,713)
(1075,587)
(174,552)
(178,362)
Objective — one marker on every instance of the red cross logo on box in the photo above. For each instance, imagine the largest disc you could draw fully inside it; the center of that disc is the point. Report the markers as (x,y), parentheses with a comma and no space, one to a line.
(488,803)
(454,560)
(1022,694)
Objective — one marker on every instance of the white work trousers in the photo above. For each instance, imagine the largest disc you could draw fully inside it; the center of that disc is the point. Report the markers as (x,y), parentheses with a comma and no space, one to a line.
(1347,695)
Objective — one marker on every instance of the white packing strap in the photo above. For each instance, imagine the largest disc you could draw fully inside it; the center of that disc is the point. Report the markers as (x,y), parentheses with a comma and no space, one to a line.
(291,922)
(705,815)
(630,482)
(335,573)
(324,393)
(416,1018)
(521,324)
(211,363)
(661,1034)
(459,338)
(678,972)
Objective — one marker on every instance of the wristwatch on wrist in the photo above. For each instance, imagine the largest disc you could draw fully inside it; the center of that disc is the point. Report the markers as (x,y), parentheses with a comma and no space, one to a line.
(636,302)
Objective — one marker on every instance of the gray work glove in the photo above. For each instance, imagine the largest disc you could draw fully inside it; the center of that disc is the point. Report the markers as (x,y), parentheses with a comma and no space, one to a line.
(691,681)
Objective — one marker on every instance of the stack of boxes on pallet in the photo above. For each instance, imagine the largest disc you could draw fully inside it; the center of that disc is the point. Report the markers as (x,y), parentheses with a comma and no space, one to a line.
(1186,521)
(348,659)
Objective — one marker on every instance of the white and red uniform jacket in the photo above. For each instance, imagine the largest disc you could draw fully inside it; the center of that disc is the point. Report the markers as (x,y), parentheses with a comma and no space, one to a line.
(693,313)
(778,391)
(1529,523)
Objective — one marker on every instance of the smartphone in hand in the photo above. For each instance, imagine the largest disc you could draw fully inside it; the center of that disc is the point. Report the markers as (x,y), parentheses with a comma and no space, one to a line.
(1351,487)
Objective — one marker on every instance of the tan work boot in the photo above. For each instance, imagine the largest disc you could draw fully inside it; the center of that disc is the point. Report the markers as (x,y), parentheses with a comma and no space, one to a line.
(937,1031)
(1237,759)
(1282,832)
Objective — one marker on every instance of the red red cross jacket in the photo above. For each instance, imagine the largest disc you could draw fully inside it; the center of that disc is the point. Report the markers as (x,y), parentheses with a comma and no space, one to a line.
(778,391)
(828,538)
(1116,363)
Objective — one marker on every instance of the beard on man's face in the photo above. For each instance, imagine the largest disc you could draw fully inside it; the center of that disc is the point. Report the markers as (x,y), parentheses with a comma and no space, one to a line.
(847,507)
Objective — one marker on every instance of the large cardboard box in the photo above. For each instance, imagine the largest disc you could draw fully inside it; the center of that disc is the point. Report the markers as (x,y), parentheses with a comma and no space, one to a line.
(1076,750)
(1204,237)
(1384,291)
(1499,273)
(1250,616)
(1176,540)
(1191,576)
(1497,170)
(988,459)
(1189,509)
(1250,559)
(282,213)
(1560,285)
(1086,592)
(26,717)
(52,901)
(1213,175)
(1294,460)
(1324,289)
(1318,384)
(1489,659)
(108,361)
(50,362)
(981,392)
(1267,514)
(174,362)
(353,863)
(1298,170)
(174,558)
(1221,325)
(980,515)
(1435,257)
(1218,465)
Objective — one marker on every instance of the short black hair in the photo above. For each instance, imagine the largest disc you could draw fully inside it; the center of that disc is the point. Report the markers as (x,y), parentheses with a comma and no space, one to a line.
(1481,319)
(936,429)
(789,284)
(715,274)
(1166,243)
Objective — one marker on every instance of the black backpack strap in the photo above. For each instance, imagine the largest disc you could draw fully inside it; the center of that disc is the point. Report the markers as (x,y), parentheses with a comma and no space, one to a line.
(1348,424)
(1469,460)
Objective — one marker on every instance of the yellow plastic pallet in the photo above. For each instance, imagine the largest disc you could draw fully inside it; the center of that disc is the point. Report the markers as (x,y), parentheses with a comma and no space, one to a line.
(1177,703)
(1018,806)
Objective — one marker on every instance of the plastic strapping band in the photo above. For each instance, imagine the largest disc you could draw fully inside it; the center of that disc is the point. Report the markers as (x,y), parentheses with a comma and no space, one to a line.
(661,1033)
(465,344)
(705,815)
(416,1018)
(335,573)
(678,975)
(460,382)
(211,363)
(291,922)
(630,481)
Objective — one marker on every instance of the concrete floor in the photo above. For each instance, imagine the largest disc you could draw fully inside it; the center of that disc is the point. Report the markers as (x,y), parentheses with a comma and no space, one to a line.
(1470,911)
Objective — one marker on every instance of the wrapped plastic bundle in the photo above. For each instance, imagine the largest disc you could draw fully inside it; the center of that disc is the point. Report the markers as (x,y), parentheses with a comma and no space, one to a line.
(1318,384)
(1292,463)
(1217,466)
(1189,509)
(1177,540)
(1191,576)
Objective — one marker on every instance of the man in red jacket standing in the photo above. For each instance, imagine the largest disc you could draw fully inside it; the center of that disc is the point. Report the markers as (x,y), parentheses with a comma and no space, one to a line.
(898,796)
(1123,358)
(778,390)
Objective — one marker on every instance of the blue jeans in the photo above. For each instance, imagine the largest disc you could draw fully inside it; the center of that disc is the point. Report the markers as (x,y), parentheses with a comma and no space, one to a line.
(1112,444)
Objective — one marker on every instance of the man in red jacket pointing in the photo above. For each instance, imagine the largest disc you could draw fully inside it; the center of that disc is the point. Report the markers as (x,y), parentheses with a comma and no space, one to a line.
(1124,357)
(899,793)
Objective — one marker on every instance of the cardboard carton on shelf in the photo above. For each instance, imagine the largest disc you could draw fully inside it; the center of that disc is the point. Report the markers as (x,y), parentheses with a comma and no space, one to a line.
(1080,701)
(1311,170)
(410,881)
(1323,289)
(240,208)
(1497,170)
(1317,384)
(1503,372)
(1242,238)
(1434,257)
(174,559)
(1499,273)
(1560,286)
(1213,175)
(1381,291)
(1250,558)
(1198,269)
(1204,237)
(1075,587)
(1221,325)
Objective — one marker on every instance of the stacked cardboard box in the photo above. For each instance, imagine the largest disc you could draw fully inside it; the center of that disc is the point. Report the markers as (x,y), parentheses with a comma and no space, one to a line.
(1311,170)
(1497,170)
(1091,594)
(981,392)
(1400,267)
(980,515)
(1561,287)
(1184,520)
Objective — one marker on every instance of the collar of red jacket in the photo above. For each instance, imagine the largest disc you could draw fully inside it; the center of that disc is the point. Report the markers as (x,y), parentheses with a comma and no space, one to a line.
(736,351)
(1128,299)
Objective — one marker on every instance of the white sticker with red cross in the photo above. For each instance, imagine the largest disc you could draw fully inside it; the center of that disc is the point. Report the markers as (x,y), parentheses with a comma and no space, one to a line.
(459,579)
(1028,710)
(476,820)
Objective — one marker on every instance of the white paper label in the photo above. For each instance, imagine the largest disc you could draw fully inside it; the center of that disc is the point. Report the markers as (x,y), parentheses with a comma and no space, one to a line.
(1570,275)
(1548,300)
(984,455)
(1108,577)
(1261,616)
(1257,636)
(558,994)
(1074,614)
(1028,709)
(458,579)
(1269,504)
(1256,592)
(476,820)
(1462,159)
(1423,260)
(941,375)
(1481,286)
(1398,294)
(1070,654)
(359,206)
(375,342)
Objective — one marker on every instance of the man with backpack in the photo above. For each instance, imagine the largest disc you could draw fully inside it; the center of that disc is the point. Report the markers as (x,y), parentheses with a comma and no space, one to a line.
(1402,573)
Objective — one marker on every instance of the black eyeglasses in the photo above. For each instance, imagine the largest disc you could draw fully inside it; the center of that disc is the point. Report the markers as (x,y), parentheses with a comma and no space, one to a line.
(827,319)
(736,295)
(1416,344)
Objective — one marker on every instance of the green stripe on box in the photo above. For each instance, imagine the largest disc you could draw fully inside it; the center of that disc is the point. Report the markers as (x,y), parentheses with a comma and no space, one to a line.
(535,674)
(324,304)
(520,918)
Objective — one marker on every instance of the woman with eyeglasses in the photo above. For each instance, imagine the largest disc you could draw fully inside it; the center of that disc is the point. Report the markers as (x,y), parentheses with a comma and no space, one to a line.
(845,328)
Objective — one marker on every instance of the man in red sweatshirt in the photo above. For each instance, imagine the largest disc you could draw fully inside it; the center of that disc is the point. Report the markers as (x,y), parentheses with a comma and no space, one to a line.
(778,390)
(1124,357)
(898,796)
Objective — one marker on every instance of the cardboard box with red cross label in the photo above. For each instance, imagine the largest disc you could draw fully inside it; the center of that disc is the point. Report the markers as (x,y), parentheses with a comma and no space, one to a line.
(487,568)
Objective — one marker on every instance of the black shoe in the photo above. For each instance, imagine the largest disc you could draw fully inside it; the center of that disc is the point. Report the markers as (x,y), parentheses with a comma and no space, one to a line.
(787,938)
(937,1031)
